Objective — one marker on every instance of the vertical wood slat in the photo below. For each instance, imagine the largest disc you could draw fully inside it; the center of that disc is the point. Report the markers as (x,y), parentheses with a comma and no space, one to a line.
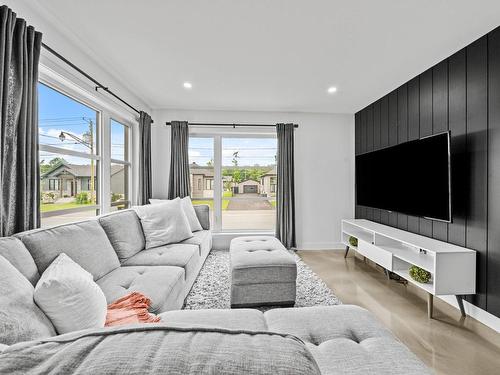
(376,146)
(357,150)
(403,137)
(393,138)
(440,124)
(457,89)
(413,133)
(362,146)
(425,129)
(477,124)
(369,147)
(493,278)
(384,141)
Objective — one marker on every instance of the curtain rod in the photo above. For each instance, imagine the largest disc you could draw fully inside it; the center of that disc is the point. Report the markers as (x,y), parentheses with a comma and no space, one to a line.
(231,125)
(89,77)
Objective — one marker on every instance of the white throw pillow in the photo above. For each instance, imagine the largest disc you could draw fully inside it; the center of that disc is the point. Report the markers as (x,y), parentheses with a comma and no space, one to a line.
(68,295)
(188,208)
(164,223)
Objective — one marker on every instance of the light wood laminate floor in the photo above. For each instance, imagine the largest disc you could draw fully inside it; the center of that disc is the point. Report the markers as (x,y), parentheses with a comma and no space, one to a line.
(447,343)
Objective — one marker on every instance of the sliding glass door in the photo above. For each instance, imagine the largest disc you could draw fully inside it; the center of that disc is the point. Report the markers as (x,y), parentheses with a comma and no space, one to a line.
(236,176)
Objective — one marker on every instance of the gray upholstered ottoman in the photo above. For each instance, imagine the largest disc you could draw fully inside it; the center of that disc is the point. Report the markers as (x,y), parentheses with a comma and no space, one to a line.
(263,272)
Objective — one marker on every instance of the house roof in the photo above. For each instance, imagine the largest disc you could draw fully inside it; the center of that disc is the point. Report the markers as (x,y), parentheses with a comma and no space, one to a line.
(208,171)
(272,172)
(205,170)
(77,170)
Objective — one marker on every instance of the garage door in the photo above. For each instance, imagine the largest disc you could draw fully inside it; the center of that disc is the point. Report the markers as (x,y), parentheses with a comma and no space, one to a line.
(250,188)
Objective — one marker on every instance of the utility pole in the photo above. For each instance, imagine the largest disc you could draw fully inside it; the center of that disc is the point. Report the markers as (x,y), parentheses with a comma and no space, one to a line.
(90,142)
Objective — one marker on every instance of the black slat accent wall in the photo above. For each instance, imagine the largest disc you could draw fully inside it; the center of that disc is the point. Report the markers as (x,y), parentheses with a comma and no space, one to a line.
(460,94)
(493,260)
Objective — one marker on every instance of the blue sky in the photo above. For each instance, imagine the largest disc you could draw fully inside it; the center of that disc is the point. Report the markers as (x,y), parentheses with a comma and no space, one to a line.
(251,151)
(57,112)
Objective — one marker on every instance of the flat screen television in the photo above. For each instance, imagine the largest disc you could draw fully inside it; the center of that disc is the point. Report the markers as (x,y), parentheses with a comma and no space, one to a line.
(412,178)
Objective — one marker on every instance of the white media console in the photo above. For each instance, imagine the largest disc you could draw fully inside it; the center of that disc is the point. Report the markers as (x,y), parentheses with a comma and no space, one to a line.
(453,268)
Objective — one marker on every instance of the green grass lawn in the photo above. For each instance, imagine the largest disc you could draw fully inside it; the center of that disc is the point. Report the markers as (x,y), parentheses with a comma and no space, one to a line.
(47,207)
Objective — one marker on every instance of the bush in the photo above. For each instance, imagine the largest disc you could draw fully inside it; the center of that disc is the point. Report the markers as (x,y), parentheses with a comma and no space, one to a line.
(48,197)
(115,197)
(420,275)
(82,198)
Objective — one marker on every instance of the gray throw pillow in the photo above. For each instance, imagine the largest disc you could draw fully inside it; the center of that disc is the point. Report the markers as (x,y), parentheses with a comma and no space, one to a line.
(164,223)
(20,318)
(187,206)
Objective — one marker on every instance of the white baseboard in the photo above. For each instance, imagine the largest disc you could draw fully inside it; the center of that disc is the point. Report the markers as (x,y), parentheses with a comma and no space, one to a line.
(321,246)
(475,312)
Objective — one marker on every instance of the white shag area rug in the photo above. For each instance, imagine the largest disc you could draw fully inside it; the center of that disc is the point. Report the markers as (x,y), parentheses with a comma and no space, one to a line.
(212,288)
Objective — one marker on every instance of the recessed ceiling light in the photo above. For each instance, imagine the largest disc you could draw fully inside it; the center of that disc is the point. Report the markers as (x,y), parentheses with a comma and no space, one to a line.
(188,85)
(331,90)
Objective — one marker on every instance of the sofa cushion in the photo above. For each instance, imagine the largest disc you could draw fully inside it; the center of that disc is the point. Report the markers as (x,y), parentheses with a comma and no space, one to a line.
(163,223)
(239,319)
(124,231)
(161,349)
(187,207)
(84,242)
(20,318)
(68,295)
(16,253)
(162,284)
(203,214)
(346,339)
(203,241)
(185,256)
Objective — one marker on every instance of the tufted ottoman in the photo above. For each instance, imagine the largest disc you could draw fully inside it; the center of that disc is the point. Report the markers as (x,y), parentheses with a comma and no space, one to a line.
(263,272)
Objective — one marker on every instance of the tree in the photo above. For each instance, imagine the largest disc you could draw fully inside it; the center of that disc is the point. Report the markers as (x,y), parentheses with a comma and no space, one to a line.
(236,156)
(210,163)
(44,168)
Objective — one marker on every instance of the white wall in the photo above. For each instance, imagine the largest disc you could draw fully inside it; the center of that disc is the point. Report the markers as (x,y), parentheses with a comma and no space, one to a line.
(324,166)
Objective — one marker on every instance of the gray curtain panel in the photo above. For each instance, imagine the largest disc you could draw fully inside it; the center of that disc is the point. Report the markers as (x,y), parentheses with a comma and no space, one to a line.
(145,158)
(179,160)
(285,192)
(19,174)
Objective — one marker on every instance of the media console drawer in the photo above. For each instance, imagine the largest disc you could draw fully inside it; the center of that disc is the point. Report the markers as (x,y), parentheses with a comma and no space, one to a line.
(375,254)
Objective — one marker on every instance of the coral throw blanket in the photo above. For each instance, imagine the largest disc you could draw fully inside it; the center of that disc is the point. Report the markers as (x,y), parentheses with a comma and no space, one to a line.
(131,308)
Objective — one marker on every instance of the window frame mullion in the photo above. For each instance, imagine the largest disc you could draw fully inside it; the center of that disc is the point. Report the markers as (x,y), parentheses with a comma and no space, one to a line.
(217,183)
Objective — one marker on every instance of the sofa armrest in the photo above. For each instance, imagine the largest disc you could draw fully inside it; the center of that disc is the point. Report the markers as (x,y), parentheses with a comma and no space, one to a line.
(203,214)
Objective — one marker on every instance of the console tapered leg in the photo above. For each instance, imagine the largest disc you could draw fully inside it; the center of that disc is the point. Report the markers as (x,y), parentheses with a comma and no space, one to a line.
(430,305)
(346,251)
(460,300)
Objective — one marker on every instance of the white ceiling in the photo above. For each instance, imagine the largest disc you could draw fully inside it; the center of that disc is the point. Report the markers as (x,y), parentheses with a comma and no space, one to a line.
(275,55)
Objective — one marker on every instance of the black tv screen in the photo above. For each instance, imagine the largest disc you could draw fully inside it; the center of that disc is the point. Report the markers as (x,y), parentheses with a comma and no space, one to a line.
(411,178)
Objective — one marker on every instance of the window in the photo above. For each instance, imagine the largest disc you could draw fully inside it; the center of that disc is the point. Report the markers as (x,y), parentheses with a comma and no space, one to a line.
(120,166)
(69,139)
(209,184)
(246,168)
(272,181)
(53,184)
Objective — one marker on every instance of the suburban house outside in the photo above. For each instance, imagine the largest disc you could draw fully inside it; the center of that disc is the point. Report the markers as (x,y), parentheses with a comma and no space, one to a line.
(202,182)
(67,180)
(268,182)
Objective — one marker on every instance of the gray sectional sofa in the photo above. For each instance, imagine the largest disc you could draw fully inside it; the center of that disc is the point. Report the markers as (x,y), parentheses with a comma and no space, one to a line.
(313,340)
(111,248)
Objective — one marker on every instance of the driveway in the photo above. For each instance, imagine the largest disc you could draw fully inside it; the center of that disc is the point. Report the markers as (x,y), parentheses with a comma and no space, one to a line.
(248,205)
